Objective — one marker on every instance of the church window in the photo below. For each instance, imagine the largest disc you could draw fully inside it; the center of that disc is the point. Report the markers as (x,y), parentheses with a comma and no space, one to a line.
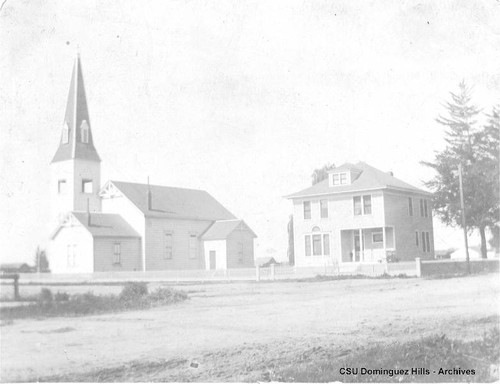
(193,248)
(61,187)
(117,253)
(85,131)
(71,255)
(169,246)
(87,186)
(65,134)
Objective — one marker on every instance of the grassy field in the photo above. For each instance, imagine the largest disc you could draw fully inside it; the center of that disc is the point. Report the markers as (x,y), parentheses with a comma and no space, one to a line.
(303,331)
(133,296)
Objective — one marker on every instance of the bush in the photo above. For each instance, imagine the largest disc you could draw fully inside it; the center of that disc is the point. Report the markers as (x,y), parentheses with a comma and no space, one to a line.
(166,295)
(133,291)
(61,296)
(45,296)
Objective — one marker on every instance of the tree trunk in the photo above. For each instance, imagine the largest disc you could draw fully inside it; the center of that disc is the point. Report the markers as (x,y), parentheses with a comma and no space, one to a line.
(484,254)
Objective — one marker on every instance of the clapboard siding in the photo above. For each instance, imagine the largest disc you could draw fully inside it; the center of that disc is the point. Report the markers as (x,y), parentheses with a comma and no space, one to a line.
(181,231)
(219,247)
(124,207)
(396,214)
(240,241)
(104,254)
(74,235)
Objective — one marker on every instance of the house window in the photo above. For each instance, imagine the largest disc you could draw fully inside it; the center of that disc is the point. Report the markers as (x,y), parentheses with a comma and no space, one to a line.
(424,246)
(426,213)
(71,255)
(377,237)
(193,246)
(240,253)
(308,245)
(326,244)
(416,238)
(87,186)
(410,206)
(323,204)
(65,134)
(61,187)
(367,204)
(117,253)
(169,246)
(336,179)
(307,209)
(357,205)
(343,178)
(84,128)
(421,208)
(427,240)
(317,245)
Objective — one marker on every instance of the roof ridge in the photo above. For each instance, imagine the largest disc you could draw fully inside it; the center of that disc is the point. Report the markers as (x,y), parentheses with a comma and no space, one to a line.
(157,185)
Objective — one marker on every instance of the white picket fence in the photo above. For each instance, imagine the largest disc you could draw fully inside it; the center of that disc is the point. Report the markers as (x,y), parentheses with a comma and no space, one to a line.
(277,272)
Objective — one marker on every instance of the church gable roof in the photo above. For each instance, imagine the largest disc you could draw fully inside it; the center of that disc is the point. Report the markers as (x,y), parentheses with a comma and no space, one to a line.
(76,117)
(106,225)
(221,229)
(173,202)
(369,178)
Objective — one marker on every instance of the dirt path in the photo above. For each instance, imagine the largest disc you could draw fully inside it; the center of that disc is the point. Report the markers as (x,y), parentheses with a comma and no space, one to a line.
(224,317)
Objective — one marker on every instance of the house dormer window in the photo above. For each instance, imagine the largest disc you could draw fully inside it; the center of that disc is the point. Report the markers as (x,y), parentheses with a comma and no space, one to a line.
(339,178)
(84,128)
(65,134)
(343,178)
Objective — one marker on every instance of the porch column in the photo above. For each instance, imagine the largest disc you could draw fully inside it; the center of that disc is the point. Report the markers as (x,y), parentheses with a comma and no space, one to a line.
(361,246)
(384,240)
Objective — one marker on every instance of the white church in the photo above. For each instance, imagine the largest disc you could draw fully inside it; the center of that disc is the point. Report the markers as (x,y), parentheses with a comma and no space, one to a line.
(122,226)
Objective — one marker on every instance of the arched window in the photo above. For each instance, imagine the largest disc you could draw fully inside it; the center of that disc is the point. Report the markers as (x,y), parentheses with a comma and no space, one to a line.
(85,131)
(316,229)
(65,134)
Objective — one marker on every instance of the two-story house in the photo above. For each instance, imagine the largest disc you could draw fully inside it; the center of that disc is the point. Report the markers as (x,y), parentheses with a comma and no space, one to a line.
(360,214)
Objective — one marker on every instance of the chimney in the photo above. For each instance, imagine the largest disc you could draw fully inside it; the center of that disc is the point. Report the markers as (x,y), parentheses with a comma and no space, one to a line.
(150,197)
(88,213)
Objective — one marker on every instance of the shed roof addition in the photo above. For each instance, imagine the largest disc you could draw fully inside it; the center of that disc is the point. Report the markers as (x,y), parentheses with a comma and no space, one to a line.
(220,230)
(102,225)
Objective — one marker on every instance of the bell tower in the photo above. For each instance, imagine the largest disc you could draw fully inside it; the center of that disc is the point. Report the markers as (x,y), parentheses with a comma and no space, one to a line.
(76,166)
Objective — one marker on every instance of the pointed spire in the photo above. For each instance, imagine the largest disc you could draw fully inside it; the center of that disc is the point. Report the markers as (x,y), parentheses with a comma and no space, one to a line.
(76,139)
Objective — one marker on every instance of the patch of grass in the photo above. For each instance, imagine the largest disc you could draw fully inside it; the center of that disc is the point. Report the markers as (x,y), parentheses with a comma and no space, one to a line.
(432,353)
(133,296)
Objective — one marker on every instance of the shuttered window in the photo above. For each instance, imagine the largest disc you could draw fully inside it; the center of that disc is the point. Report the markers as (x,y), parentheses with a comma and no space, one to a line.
(307,209)
(193,246)
(326,244)
(308,245)
(117,253)
(168,244)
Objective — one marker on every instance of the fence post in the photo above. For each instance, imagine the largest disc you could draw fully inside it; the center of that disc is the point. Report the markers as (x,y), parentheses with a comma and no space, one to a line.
(418,263)
(16,287)
(257,273)
(272,272)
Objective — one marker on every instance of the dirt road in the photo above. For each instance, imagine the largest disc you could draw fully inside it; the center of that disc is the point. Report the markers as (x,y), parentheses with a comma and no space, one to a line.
(285,314)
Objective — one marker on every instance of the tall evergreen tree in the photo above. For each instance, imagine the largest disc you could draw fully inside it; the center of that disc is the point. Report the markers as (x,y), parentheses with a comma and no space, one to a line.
(320,174)
(477,151)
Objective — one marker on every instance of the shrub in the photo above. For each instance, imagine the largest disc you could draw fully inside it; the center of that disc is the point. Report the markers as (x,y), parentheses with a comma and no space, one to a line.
(61,296)
(166,295)
(134,291)
(45,296)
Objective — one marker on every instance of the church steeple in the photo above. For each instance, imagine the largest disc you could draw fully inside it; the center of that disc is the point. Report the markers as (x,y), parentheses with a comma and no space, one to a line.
(76,138)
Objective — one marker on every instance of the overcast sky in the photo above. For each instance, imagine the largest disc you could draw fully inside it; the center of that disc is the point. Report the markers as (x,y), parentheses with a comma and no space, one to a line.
(240,98)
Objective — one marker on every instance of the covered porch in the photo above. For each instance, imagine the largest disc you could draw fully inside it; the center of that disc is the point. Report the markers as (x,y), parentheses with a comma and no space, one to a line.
(367,245)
